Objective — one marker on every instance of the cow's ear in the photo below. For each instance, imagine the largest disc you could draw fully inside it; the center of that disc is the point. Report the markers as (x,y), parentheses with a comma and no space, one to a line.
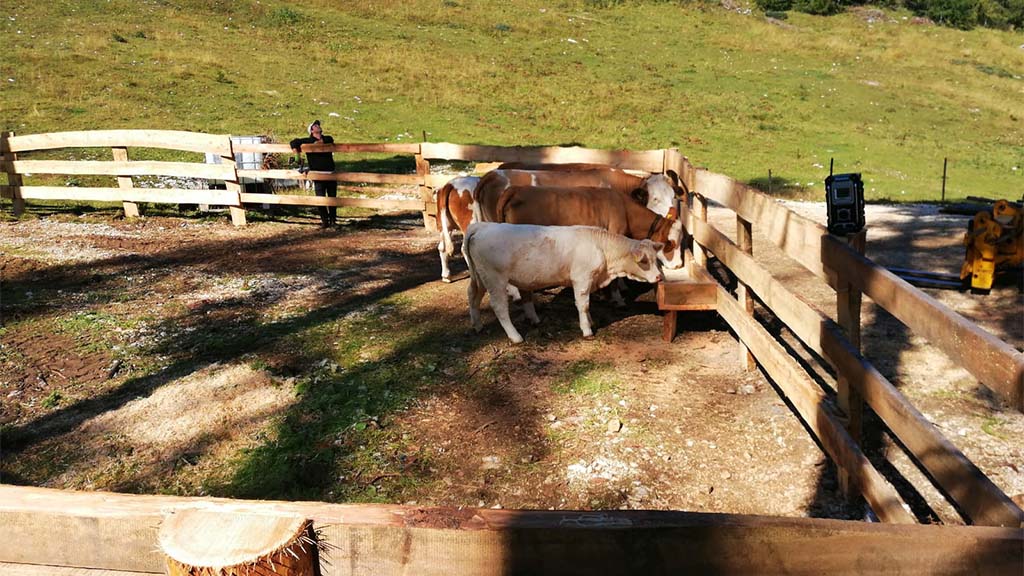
(675,177)
(640,195)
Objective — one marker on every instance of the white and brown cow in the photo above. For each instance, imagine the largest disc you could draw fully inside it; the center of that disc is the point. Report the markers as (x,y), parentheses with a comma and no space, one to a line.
(658,192)
(535,257)
(454,213)
(497,201)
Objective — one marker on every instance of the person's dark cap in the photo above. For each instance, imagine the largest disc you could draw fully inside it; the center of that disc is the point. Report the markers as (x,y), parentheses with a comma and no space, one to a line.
(310,128)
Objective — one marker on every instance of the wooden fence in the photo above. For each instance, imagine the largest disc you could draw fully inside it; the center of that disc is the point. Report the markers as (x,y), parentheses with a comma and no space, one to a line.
(221,145)
(386,539)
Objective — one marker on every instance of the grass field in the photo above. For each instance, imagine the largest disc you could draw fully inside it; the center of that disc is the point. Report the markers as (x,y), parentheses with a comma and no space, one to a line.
(735,92)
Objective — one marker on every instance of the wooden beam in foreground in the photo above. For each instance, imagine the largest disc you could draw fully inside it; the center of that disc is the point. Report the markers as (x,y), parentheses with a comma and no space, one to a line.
(967,486)
(995,363)
(119,531)
(810,402)
(339,148)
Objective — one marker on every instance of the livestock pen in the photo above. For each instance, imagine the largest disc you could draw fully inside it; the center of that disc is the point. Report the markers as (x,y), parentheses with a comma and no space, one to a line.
(117,532)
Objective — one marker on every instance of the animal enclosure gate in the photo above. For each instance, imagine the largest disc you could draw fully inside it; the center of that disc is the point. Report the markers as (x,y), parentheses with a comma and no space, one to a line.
(116,532)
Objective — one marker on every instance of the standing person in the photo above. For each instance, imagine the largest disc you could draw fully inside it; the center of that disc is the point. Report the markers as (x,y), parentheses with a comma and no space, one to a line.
(320,162)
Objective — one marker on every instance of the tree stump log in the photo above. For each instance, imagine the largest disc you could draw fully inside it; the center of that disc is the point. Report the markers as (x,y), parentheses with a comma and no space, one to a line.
(203,543)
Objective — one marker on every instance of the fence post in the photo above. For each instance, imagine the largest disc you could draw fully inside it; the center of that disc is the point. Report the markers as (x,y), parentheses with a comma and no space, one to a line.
(848,304)
(700,257)
(745,240)
(423,170)
(131,209)
(13,178)
(237,211)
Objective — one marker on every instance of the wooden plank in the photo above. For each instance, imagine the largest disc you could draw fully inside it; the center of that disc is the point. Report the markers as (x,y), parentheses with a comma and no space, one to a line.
(848,304)
(810,402)
(165,139)
(647,160)
(700,210)
(683,296)
(336,147)
(668,325)
(159,195)
(371,177)
(123,168)
(745,240)
(799,237)
(100,530)
(14,181)
(131,209)
(981,501)
(993,362)
(234,186)
(297,200)
(9,569)
(423,171)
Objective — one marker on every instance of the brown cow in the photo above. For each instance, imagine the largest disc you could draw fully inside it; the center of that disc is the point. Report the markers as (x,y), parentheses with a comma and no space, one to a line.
(657,191)
(601,207)
(454,213)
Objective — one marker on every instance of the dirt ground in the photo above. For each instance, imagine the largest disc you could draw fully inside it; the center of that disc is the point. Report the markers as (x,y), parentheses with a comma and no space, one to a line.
(186,356)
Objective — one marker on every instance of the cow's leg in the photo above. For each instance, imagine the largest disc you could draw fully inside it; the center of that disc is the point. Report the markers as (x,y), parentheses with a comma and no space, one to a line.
(499,303)
(620,302)
(513,293)
(531,312)
(445,272)
(475,294)
(583,306)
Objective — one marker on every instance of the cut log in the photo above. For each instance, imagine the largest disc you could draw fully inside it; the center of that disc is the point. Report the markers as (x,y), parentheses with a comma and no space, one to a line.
(206,543)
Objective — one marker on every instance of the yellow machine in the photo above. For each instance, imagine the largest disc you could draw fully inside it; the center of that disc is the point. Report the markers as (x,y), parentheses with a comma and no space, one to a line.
(994,240)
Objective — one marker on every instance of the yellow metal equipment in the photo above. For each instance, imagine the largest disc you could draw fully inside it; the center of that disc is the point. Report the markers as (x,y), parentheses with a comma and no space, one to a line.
(994,240)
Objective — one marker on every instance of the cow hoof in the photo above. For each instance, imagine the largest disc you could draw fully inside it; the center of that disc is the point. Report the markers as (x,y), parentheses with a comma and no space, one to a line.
(588,336)
(516,340)
(446,280)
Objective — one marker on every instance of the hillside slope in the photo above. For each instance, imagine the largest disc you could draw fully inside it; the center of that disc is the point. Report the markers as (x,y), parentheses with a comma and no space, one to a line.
(736,92)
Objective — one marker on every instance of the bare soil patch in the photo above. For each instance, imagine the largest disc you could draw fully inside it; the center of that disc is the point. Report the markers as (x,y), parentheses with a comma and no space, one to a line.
(283,361)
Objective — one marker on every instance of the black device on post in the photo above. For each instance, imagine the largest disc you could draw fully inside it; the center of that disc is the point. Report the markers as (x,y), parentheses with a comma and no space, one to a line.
(844,198)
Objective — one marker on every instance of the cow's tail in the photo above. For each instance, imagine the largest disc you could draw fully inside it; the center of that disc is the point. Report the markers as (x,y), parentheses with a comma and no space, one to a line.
(467,250)
(444,217)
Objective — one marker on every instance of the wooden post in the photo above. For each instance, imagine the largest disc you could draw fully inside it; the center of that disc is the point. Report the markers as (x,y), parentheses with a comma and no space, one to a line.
(422,170)
(131,209)
(13,178)
(848,304)
(207,543)
(945,161)
(700,209)
(238,210)
(745,240)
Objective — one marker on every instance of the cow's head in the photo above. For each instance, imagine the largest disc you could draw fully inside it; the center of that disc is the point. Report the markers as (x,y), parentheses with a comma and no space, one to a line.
(660,194)
(642,265)
(669,233)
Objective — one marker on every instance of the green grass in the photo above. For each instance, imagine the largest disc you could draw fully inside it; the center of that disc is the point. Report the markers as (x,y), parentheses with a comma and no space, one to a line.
(734,92)
(586,377)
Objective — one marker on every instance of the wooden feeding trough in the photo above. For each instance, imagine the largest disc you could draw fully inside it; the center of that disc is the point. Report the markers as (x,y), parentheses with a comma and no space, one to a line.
(56,532)
(688,289)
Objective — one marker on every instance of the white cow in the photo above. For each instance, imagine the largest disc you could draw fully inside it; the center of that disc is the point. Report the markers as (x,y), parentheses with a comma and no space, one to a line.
(534,257)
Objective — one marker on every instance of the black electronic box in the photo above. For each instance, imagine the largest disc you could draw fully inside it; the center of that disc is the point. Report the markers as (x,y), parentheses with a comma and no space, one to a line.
(844,197)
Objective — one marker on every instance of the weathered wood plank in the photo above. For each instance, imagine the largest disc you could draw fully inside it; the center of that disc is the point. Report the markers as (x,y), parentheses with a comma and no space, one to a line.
(118,531)
(9,569)
(647,160)
(337,147)
(810,402)
(131,209)
(159,195)
(166,139)
(993,362)
(297,200)
(981,500)
(122,168)
(371,177)
(14,180)
(745,240)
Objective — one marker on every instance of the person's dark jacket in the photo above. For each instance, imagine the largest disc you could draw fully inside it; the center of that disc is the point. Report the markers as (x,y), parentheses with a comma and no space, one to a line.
(319,161)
